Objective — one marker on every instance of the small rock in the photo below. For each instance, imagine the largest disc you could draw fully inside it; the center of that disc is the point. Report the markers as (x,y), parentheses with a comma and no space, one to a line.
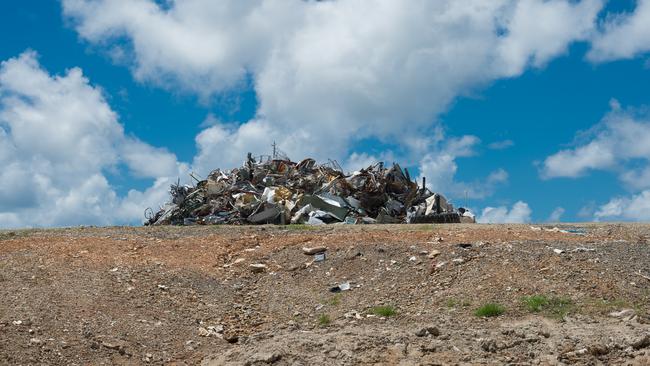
(116,345)
(314,250)
(642,342)
(265,357)
(428,331)
(489,345)
(211,331)
(434,253)
(35,341)
(163,287)
(231,338)
(598,349)
(258,267)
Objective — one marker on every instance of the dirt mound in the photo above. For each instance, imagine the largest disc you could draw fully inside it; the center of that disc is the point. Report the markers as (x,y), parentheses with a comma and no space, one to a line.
(381,295)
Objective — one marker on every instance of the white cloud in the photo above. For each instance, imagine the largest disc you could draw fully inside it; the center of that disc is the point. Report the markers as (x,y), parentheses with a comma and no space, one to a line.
(501,145)
(556,215)
(634,208)
(439,166)
(623,36)
(324,79)
(519,213)
(58,138)
(618,143)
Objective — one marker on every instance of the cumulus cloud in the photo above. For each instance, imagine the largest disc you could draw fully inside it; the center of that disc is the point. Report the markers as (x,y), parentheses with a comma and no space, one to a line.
(556,215)
(439,167)
(518,213)
(324,79)
(619,143)
(634,208)
(623,36)
(58,139)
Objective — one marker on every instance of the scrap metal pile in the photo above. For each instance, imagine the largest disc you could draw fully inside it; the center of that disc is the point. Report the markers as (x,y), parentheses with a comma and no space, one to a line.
(279,191)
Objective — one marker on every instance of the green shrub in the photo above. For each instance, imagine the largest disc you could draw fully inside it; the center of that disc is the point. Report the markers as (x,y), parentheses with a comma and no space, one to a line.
(489,310)
(324,320)
(386,310)
(535,303)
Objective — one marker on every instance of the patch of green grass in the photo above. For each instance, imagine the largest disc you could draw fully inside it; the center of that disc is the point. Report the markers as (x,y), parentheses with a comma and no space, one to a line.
(554,307)
(453,303)
(385,310)
(535,303)
(335,300)
(299,227)
(324,320)
(490,310)
(559,307)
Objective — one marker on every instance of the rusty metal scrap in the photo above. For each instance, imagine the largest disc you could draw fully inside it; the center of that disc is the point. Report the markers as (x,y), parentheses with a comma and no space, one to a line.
(276,190)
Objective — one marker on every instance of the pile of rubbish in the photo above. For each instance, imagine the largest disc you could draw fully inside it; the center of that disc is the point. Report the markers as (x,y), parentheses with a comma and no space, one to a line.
(275,190)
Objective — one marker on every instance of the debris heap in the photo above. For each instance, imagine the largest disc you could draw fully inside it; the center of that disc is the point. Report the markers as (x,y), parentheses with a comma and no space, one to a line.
(279,191)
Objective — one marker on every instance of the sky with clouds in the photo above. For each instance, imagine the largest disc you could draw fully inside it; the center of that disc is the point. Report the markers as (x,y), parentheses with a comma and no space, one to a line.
(522,110)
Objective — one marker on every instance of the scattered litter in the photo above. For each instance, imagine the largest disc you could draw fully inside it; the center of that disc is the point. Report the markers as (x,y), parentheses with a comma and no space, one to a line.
(163,287)
(275,190)
(569,230)
(352,315)
(558,251)
(434,253)
(577,231)
(319,257)
(341,287)
(211,331)
(622,314)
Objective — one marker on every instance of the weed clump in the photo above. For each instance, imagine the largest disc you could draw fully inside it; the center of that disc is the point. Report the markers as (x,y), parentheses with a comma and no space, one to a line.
(324,320)
(385,311)
(490,310)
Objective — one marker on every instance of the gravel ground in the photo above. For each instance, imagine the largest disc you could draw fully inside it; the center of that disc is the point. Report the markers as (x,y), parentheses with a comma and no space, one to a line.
(188,295)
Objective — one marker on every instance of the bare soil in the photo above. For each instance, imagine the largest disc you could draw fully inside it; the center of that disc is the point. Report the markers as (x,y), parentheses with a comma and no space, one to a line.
(187,295)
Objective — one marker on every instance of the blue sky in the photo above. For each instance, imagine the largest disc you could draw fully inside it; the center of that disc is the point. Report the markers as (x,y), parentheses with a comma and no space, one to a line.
(526,105)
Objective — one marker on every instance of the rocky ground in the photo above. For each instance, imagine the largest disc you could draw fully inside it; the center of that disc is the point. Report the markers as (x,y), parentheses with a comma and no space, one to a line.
(188,295)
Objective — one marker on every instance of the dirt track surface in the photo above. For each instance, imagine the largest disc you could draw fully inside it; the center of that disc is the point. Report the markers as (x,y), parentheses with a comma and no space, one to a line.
(187,295)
